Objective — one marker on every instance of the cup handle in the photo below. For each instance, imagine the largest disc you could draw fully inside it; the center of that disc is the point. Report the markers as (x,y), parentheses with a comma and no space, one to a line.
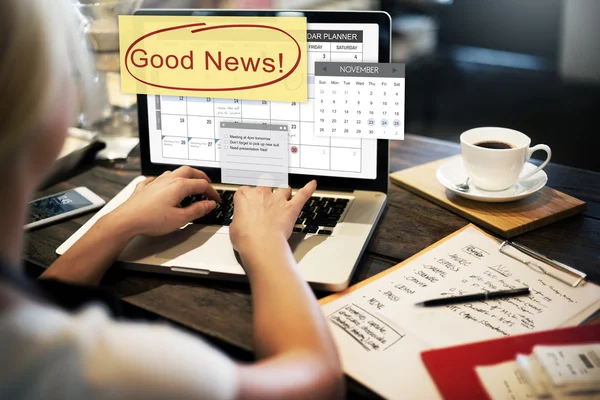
(530,151)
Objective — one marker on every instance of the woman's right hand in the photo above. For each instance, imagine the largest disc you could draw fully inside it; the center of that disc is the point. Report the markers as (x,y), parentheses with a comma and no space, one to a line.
(265,216)
(262,223)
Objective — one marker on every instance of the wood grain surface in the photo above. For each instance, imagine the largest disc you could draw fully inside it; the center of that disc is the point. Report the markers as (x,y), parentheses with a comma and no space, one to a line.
(221,311)
(506,219)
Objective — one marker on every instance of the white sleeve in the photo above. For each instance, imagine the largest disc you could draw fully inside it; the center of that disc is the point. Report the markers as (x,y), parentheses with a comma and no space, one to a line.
(150,361)
(100,358)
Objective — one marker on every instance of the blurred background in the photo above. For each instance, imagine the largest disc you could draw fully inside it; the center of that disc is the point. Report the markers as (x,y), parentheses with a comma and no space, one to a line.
(530,65)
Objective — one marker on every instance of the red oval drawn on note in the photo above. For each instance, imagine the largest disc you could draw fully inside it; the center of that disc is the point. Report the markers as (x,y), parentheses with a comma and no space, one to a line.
(207,28)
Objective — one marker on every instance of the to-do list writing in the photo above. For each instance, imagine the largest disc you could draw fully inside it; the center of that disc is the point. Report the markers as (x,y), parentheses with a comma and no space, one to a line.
(381,332)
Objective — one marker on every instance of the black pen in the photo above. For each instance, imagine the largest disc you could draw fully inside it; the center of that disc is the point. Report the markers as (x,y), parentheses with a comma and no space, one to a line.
(502,294)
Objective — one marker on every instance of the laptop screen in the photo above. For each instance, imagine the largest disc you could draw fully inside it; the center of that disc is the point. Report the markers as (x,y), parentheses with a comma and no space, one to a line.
(184,130)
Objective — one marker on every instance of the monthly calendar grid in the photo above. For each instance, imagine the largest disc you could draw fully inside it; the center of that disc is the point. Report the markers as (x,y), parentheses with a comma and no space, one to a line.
(372,105)
(184,117)
(198,140)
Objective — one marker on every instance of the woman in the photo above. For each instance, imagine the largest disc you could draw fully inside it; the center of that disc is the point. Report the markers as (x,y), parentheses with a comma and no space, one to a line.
(46,352)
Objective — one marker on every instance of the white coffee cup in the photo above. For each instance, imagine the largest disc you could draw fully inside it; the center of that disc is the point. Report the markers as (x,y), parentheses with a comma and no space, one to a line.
(498,169)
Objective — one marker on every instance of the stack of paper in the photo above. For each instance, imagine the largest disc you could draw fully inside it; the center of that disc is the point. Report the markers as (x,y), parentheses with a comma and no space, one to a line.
(380,333)
(550,372)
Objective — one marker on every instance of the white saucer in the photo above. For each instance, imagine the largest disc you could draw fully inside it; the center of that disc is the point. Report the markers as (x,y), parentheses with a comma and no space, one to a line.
(453,172)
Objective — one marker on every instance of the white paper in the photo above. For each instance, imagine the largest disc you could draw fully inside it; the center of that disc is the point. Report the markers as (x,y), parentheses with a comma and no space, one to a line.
(583,315)
(535,375)
(574,364)
(390,362)
(71,145)
(117,147)
(520,380)
(505,381)
(467,263)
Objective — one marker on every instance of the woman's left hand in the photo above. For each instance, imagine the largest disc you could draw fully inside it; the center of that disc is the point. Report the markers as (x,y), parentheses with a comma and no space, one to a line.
(153,208)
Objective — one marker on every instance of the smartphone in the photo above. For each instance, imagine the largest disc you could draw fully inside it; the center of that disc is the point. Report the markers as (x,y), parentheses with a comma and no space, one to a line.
(61,206)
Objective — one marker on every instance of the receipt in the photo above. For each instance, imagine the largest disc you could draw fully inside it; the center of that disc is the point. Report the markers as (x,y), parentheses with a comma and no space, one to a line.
(254,154)
(505,381)
(569,365)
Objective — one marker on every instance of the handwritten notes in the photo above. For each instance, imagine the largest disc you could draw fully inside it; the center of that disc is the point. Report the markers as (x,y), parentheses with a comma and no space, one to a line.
(372,333)
(468,262)
(230,108)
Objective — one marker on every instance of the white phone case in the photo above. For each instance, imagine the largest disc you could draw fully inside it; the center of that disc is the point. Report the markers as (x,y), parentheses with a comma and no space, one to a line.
(96,200)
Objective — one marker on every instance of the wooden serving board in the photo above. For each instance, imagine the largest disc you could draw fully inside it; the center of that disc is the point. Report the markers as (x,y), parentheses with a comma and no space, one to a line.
(506,219)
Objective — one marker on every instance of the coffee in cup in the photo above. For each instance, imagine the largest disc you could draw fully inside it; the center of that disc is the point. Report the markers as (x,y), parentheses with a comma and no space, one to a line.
(492,144)
(494,157)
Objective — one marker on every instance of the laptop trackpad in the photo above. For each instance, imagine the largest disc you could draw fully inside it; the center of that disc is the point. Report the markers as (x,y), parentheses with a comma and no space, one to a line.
(193,237)
(170,246)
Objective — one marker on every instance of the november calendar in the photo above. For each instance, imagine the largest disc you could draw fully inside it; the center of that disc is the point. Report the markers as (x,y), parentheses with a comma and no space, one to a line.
(359,100)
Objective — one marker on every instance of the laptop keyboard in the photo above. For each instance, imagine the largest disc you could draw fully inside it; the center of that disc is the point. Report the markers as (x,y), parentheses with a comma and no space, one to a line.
(318,216)
(221,215)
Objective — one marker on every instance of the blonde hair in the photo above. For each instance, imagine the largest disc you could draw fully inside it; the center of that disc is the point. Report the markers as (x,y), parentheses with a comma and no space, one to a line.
(39,45)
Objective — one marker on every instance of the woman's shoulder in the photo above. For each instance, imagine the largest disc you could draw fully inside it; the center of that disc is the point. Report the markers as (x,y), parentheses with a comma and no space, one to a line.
(37,343)
(90,353)
(40,328)
(28,317)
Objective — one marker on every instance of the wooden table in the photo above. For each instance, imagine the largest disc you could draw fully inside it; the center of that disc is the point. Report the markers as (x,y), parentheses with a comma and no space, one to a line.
(222,312)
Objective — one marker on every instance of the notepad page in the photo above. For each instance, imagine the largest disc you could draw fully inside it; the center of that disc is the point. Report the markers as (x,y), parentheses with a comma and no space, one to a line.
(378,328)
(505,381)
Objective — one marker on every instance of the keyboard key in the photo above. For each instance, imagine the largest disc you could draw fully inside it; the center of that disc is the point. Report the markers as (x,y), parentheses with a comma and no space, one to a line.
(297,229)
(324,232)
(311,229)
(222,213)
(320,222)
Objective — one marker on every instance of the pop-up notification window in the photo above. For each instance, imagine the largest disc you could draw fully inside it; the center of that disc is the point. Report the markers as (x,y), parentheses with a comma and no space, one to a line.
(254,154)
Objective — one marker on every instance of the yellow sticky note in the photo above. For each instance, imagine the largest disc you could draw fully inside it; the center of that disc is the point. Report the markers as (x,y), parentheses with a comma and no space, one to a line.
(254,58)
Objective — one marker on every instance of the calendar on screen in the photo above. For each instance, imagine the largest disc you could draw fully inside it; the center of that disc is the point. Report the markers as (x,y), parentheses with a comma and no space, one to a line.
(185,130)
(359,100)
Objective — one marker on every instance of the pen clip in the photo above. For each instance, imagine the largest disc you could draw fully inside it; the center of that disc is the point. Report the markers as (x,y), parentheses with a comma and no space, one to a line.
(541,259)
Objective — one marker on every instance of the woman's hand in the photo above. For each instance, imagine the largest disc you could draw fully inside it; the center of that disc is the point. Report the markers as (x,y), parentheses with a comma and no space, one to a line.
(153,208)
(262,223)
(261,215)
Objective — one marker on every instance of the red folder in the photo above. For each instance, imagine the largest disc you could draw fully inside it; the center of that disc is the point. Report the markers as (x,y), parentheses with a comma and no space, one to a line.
(453,368)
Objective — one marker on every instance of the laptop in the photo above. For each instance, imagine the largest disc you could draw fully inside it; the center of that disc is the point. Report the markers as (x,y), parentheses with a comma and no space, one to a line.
(335,225)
